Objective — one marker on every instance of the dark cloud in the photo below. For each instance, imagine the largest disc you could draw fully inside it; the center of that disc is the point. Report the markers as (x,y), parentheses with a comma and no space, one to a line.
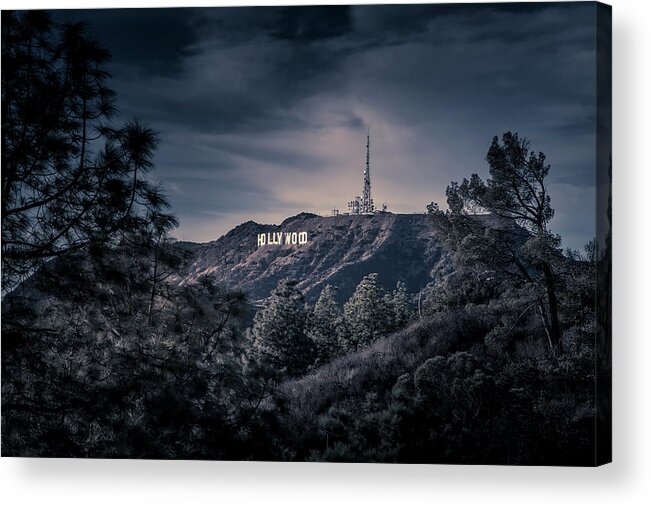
(312,23)
(152,40)
(263,111)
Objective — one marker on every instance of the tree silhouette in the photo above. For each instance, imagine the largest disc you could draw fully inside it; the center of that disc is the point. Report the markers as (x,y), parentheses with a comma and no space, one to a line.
(516,238)
(69,178)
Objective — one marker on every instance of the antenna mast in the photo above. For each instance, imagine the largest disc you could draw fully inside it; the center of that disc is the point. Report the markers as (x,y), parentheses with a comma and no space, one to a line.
(367,200)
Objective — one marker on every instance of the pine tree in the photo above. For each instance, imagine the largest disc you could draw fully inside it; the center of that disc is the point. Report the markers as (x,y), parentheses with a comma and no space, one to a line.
(279,337)
(517,242)
(325,325)
(365,314)
(106,356)
(398,305)
(70,179)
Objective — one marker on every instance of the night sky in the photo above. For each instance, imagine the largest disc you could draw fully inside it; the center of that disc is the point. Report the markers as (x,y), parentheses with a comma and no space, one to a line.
(262,112)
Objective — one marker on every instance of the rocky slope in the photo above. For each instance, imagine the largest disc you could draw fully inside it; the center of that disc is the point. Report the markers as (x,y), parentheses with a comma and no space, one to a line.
(340,251)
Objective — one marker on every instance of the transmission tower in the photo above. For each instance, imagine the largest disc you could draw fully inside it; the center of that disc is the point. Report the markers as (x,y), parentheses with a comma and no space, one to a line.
(367,206)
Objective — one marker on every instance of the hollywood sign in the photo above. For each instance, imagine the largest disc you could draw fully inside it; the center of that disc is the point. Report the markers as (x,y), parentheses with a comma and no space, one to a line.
(280,238)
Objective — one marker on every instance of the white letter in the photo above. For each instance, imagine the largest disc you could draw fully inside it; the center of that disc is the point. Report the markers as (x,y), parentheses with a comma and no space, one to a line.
(261,240)
(302,238)
(294,237)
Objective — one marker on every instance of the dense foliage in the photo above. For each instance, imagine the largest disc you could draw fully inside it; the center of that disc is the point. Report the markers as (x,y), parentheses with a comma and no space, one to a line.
(102,354)
(106,354)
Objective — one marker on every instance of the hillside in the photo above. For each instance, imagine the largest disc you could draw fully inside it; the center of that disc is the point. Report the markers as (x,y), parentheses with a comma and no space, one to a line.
(340,251)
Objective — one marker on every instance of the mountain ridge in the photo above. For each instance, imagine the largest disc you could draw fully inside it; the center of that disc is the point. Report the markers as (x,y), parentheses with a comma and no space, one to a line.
(340,251)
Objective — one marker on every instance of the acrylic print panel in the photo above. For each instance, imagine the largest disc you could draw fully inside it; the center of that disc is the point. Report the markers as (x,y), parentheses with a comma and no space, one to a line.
(350,234)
